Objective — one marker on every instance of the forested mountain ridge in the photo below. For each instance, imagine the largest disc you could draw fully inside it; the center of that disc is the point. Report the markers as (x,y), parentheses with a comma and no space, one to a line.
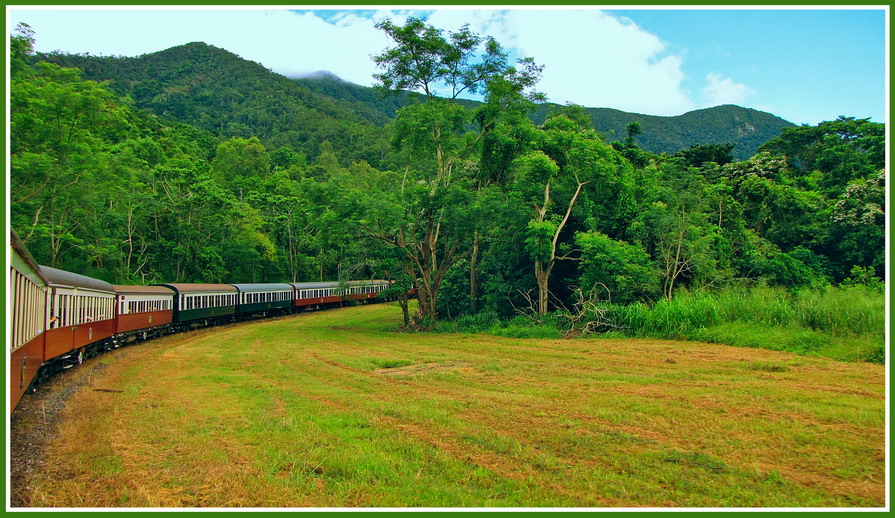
(217,91)
(745,127)
(206,86)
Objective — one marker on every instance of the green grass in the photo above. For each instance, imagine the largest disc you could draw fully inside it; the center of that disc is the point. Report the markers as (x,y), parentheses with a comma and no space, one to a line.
(338,409)
(841,323)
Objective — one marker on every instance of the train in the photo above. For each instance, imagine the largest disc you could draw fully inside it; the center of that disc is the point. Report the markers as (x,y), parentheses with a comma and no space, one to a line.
(57,319)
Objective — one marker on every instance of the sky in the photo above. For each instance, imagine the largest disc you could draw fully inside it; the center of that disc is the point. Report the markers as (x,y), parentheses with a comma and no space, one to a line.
(804,65)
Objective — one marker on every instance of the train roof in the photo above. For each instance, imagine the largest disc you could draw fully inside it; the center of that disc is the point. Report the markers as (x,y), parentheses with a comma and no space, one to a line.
(19,247)
(57,277)
(333,284)
(262,287)
(200,288)
(142,290)
(314,285)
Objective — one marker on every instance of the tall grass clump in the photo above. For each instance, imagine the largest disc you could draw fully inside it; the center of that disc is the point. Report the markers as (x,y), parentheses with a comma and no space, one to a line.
(851,309)
(846,323)
(475,323)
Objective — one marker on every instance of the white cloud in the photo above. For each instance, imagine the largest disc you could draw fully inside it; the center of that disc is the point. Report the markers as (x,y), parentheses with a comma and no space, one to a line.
(590,57)
(722,90)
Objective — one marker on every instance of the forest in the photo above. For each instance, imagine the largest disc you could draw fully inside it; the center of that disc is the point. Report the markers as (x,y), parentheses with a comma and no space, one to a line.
(498,221)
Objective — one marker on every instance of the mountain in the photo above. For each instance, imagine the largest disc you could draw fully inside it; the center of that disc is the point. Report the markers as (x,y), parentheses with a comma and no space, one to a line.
(745,127)
(216,90)
(220,92)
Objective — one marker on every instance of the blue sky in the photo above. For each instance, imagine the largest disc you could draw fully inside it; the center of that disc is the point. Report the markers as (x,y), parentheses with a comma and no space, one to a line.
(805,65)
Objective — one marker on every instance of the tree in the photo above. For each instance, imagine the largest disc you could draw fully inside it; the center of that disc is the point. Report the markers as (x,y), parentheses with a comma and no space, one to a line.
(431,221)
(832,153)
(241,163)
(699,154)
(570,157)
(625,270)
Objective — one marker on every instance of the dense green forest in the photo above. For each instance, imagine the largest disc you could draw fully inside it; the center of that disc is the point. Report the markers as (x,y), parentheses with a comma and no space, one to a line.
(201,85)
(502,207)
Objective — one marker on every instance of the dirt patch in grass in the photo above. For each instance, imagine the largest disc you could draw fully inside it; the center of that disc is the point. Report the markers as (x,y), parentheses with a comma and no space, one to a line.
(423,368)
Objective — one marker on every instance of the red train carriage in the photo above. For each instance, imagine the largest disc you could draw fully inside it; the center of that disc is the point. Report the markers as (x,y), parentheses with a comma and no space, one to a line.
(365,290)
(143,311)
(325,293)
(316,293)
(81,317)
(27,319)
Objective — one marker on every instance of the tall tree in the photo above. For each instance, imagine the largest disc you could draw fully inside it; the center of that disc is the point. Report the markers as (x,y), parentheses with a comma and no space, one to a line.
(553,177)
(435,230)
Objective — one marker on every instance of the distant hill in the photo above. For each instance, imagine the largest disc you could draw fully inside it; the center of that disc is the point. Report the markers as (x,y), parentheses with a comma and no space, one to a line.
(216,90)
(220,92)
(745,127)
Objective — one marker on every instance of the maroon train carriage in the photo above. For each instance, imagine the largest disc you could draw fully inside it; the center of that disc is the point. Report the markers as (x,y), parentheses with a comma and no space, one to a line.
(81,318)
(142,312)
(365,290)
(27,319)
(327,293)
(316,293)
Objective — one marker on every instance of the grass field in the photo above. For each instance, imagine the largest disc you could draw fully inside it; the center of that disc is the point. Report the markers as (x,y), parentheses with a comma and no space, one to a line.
(336,409)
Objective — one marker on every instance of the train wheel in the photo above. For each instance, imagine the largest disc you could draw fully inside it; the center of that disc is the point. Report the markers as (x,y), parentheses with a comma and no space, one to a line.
(80,358)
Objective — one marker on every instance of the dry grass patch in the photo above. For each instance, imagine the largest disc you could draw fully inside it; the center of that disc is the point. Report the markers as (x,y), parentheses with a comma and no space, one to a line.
(336,409)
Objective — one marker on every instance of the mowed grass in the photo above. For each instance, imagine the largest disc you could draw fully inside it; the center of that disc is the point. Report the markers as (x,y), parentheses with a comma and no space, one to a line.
(337,409)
